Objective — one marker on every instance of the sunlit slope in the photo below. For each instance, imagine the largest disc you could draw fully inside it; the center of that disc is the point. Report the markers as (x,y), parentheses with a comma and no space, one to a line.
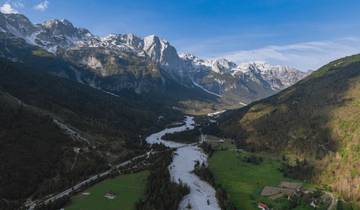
(317,119)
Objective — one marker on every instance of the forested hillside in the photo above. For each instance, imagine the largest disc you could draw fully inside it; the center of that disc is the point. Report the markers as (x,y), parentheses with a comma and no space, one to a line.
(317,120)
(39,155)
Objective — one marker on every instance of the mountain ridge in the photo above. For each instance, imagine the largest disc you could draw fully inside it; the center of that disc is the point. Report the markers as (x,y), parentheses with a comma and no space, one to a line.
(114,51)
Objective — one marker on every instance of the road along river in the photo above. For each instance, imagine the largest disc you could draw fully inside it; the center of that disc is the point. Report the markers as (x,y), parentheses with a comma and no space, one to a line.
(202,195)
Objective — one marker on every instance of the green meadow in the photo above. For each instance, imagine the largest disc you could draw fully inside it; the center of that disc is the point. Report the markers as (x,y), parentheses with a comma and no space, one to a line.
(244,181)
(128,189)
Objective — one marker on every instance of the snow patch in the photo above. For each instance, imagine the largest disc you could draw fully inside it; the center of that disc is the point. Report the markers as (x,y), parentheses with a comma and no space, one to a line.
(70,131)
(213,114)
(110,93)
(204,89)
(242,103)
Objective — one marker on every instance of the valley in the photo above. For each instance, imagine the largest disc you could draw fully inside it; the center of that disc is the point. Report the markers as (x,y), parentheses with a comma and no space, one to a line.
(202,195)
(241,178)
(246,174)
(123,121)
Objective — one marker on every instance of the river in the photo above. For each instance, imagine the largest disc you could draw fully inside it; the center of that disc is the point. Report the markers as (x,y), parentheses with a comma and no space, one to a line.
(202,195)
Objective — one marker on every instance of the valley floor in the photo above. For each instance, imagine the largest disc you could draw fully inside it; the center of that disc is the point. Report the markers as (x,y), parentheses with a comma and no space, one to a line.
(202,195)
(126,189)
(244,181)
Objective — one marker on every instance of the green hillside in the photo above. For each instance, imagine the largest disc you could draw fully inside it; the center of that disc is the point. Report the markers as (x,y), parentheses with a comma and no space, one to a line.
(318,120)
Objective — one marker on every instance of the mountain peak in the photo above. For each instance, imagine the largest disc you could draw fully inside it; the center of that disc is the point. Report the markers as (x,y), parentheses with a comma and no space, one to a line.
(65,27)
(188,56)
(57,23)
(16,24)
(195,59)
(151,40)
(129,41)
(223,65)
(152,37)
(262,66)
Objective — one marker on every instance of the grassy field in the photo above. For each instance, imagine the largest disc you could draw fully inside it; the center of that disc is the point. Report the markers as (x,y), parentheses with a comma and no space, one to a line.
(244,181)
(215,143)
(128,189)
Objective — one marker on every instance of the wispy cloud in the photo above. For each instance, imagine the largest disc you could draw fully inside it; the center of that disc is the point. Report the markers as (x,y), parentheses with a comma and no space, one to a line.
(305,56)
(19,4)
(218,44)
(42,6)
(7,8)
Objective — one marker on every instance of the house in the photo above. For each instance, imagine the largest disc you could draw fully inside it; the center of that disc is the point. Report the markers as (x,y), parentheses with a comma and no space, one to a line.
(285,188)
(263,206)
(110,195)
(85,193)
(270,191)
(277,192)
(221,141)
(291,185)
(313,204)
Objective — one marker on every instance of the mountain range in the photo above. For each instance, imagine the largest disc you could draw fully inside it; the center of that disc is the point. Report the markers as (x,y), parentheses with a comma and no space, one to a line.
(145,64)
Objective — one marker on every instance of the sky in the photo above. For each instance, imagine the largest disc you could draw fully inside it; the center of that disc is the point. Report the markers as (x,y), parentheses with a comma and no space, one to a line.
(305,34)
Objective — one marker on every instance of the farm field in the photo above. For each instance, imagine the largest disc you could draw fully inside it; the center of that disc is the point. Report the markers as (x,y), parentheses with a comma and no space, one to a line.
(244,181)
(128,189)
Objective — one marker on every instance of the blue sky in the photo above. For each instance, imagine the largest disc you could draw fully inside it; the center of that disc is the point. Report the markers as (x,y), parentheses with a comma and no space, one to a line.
(301,33)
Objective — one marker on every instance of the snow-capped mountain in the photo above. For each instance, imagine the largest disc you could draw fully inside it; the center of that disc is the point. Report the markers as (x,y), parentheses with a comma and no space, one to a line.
(279,77)
(197,64)
(50,35)
(128,54)
(250,81)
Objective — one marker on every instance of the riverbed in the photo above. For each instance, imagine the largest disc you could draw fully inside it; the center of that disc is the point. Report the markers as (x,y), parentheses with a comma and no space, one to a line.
(202,195)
